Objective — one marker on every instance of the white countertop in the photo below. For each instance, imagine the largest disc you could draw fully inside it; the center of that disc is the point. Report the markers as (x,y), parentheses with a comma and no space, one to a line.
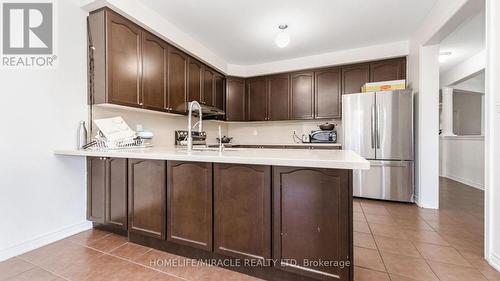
(331,159)
(315,144)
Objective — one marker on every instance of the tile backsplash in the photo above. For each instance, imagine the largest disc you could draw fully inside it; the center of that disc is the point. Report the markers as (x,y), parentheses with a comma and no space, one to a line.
(275,132)
(163,126)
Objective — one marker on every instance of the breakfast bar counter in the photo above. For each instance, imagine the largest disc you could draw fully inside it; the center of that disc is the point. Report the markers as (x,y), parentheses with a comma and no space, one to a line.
(330,159)
(276,214)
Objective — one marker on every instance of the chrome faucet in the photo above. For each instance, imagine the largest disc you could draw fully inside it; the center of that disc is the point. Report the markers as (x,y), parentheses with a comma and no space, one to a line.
(190,126)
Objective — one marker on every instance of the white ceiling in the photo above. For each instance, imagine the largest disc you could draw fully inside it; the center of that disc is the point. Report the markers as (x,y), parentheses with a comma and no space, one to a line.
(242,31)
(467,40)
(474,84)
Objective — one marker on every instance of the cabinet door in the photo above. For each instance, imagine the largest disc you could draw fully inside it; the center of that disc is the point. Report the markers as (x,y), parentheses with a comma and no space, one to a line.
(147,188)
(124,49)
(235,99)
(189,207)
(354,77)
(208,87)
(96,189)
(195,75)
(327,101)
(116,192)
(279,97)
(257,99)
(177,80)
(154,72)
(302,95)
(219,91)
(242,210)
(312,220)
(387,70)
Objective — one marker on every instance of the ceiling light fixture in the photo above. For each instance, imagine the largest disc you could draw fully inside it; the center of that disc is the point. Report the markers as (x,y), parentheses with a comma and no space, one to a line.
(443,56)
(283,38)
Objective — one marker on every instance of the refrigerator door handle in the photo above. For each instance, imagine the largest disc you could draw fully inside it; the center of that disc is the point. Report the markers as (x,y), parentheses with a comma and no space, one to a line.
(373,126)
(378,127)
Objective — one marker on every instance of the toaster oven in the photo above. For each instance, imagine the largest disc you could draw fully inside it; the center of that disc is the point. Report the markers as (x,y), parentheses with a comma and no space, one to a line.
(323,136)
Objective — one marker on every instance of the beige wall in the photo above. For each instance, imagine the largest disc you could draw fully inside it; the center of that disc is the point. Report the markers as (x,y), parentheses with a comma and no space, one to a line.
(467,113)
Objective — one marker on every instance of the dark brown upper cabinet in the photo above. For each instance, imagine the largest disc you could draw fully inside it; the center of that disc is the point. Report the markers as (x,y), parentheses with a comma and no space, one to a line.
(189,204)
(147,188)
(279,97)
(386,70)
(177,80)
(107,191)
(208,87)
(154,72)
(235,99)
(219,91)
(327,93)
(310,221)
(123,61)
(354,77)
(242,210)
(257,99)
(195,76)
(302,95)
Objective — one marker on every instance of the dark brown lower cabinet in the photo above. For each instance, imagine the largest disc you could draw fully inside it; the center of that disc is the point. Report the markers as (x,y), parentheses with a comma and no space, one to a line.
(96,189)
(189,203)
(312,221)
(147,197)
(107,191)
(116,193)
(242,208)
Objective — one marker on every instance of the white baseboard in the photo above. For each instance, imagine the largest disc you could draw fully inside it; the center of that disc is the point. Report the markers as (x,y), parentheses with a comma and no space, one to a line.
(464,181)
(43,240)
(495,261)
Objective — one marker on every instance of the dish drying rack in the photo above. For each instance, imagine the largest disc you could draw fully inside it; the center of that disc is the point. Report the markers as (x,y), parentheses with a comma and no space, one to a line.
(101,143)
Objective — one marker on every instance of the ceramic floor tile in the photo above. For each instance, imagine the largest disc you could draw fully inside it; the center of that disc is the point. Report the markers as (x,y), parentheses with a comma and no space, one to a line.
(35,274)
(359,217)
(395,277)
(88,236)
(441,254)
(451,272)
(396,246)
(108,243)
(361,226)
(62,257)
(426,237)
(380,219)
(368,258)
(391,231)
(375,210)
(165,277)
(130,251)
(13,267)
(363,274)
(111,268)
(364,240)
(415,268)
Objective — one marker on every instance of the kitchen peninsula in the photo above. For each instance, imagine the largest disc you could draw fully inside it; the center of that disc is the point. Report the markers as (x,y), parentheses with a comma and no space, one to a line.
(289,209)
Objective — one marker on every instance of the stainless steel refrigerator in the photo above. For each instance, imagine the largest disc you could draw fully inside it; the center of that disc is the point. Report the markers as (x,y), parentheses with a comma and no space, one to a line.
(379,127)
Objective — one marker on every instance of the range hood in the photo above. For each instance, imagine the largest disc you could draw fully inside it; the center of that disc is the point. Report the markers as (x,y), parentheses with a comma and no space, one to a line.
(209,111)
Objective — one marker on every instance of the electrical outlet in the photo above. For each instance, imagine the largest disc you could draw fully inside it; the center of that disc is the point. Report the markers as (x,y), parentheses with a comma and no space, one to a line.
(294,132)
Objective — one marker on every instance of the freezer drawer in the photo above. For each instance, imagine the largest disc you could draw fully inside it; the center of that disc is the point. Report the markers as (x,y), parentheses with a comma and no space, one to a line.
(387,180)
